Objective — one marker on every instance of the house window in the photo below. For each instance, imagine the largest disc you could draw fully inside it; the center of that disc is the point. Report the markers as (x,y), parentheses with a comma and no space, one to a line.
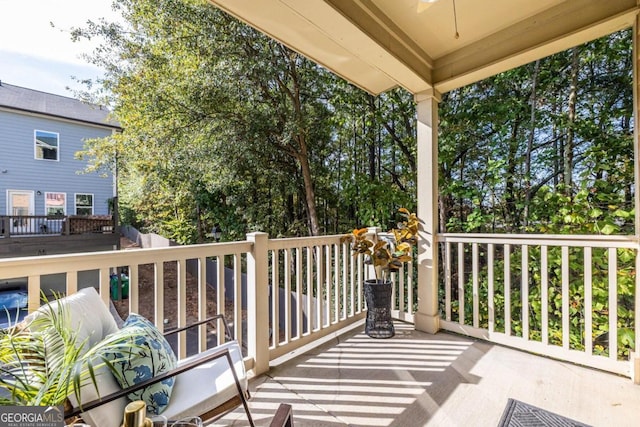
(47,145)
(55,203)
(84,204)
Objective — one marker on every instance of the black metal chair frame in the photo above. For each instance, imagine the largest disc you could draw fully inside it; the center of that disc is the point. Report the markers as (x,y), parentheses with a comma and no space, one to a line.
(199,361)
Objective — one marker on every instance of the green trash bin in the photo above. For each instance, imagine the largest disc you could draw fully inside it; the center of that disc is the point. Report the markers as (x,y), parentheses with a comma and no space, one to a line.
(124,287)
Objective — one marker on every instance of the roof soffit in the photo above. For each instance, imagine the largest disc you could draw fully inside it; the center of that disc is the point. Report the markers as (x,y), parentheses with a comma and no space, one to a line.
(380,44)
(561,27)
(321,33)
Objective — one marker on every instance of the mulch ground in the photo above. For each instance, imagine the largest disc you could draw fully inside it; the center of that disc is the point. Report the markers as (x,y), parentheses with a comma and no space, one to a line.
(146,297)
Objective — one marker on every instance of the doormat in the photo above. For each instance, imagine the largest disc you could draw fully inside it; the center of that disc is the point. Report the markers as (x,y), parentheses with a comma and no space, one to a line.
(520,414)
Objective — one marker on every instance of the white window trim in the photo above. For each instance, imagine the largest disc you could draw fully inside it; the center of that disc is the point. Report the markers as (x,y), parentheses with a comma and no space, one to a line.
(55,192)
(31,195)
(35,150)
(75,201)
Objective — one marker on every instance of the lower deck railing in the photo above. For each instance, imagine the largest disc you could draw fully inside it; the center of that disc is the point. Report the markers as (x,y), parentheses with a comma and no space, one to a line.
(45,225)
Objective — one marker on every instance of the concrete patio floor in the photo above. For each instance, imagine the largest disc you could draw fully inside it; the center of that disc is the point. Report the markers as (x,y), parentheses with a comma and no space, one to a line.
(418,379)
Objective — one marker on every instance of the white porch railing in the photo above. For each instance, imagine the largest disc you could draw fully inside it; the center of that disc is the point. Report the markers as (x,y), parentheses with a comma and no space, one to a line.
(291,292)
(318,287)
(555,295)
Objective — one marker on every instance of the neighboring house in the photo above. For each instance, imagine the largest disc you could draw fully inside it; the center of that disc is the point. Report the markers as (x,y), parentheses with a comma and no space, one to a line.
(42,184)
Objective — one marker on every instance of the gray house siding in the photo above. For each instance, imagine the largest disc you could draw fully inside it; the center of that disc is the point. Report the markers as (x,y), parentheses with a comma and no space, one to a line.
(20,170)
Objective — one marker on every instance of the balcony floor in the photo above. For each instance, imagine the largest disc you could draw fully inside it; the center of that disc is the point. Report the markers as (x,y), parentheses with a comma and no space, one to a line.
(418,379)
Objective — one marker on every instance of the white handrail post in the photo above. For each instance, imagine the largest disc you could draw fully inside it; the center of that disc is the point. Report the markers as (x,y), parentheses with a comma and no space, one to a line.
(258,302)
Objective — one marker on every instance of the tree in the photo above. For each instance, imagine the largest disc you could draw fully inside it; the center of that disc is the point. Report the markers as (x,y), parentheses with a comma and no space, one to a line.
(210,106)
(559,126)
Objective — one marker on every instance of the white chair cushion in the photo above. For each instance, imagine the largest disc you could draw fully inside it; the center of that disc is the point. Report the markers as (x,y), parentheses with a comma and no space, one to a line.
(88,316)
(107,415)
(207,386)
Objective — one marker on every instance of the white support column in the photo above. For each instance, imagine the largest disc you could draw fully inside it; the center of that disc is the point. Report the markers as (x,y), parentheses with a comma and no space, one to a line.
(635,356)
(427,318)
(258,302)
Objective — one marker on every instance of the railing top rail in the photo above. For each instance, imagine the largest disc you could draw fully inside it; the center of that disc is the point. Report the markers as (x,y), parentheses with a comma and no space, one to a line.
(300,242)
(543,239)
(51,264)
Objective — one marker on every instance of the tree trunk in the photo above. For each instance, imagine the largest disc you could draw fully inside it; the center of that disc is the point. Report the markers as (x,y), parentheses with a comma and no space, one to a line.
(532,134)
(568,146)
(511,216)
(309,192)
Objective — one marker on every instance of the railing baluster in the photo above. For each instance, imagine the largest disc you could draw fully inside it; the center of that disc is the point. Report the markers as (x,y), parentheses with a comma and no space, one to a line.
(72,282)
(158,294)
(588,302)
(613,303)
(327,284)
(345,281)
(394,283)
(220,297)
(275,297)
(490,290)
(202,302)
(461,283)
(104,287)
(401,287)
(525,292)
(33,293)
(336,283)
(353,274)
(544,293)
(319,275)
(410,293)
(565,297)
(298,252)
(237,297)
(507,289)
(182,306)
(361,277)
(447,281)
(287,294)
(309,283)
(474,281)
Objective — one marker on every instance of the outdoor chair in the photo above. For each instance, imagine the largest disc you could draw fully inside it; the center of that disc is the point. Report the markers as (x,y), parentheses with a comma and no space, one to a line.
(205,383)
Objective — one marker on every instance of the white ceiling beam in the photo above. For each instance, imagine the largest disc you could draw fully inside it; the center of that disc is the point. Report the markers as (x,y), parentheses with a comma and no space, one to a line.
(567,25)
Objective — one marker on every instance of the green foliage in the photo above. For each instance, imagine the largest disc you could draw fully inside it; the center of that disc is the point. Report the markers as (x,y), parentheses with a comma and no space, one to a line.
(577,310)
(42,362)
(224,125)
(503,142)
(502,149)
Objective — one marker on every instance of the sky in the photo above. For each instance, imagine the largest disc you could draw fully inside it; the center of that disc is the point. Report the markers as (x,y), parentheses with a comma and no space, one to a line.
(35,55)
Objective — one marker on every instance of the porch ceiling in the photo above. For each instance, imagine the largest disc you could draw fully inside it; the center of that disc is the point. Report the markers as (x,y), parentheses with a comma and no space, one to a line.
(381,44)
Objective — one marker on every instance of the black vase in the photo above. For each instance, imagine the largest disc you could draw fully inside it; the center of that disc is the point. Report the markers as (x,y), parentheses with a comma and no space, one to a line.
(377,295)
